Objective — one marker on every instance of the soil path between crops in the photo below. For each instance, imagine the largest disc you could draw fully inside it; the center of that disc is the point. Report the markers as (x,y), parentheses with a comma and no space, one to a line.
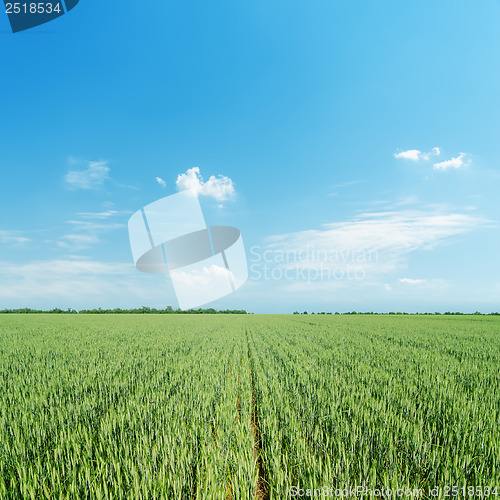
(262,489)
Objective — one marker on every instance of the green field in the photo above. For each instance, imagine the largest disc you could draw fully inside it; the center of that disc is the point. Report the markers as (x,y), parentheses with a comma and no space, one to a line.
(245,406)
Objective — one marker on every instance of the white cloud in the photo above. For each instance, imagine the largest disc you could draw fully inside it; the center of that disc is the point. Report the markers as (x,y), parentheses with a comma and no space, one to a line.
(12,237)
(80,283)
(161,182)
(76,242)
(84,233)
(81,238)
(221,188)
(86,230)
(64,267)
(453,163)
(374,244)
(411,154)
(387,287)
(95,226)
(404,231)
(410,281)
(416,155)
(92,177)
(203,277)
(102,215)
(347,184)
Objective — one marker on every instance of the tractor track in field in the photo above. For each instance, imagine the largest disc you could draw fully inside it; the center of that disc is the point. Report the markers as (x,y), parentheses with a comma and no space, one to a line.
(229,487)
(262,489)
(238,400)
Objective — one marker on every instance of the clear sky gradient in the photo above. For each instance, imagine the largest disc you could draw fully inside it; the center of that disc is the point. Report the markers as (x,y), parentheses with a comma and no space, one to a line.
(356,146)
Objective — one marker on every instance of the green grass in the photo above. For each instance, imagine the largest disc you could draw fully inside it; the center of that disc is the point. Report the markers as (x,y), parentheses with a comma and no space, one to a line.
(216,407)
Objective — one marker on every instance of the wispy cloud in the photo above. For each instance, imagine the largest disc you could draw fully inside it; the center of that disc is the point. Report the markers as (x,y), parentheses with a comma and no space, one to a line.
(375,243)
(73,282)
(347,184)
(161,182)
(77,241)
(103,215)
(456,162)
(95,226)
(12,238)
(90,178)
(86,229)
(343,185)
(410,281)
(220,188)
(405,230)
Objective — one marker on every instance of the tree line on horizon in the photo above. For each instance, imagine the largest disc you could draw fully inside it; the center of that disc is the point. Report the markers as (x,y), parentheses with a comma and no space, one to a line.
(139,310)
(171,310)
(447,313)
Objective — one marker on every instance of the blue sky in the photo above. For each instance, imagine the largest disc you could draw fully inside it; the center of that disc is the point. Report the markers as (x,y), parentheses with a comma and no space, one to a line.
(322,117)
